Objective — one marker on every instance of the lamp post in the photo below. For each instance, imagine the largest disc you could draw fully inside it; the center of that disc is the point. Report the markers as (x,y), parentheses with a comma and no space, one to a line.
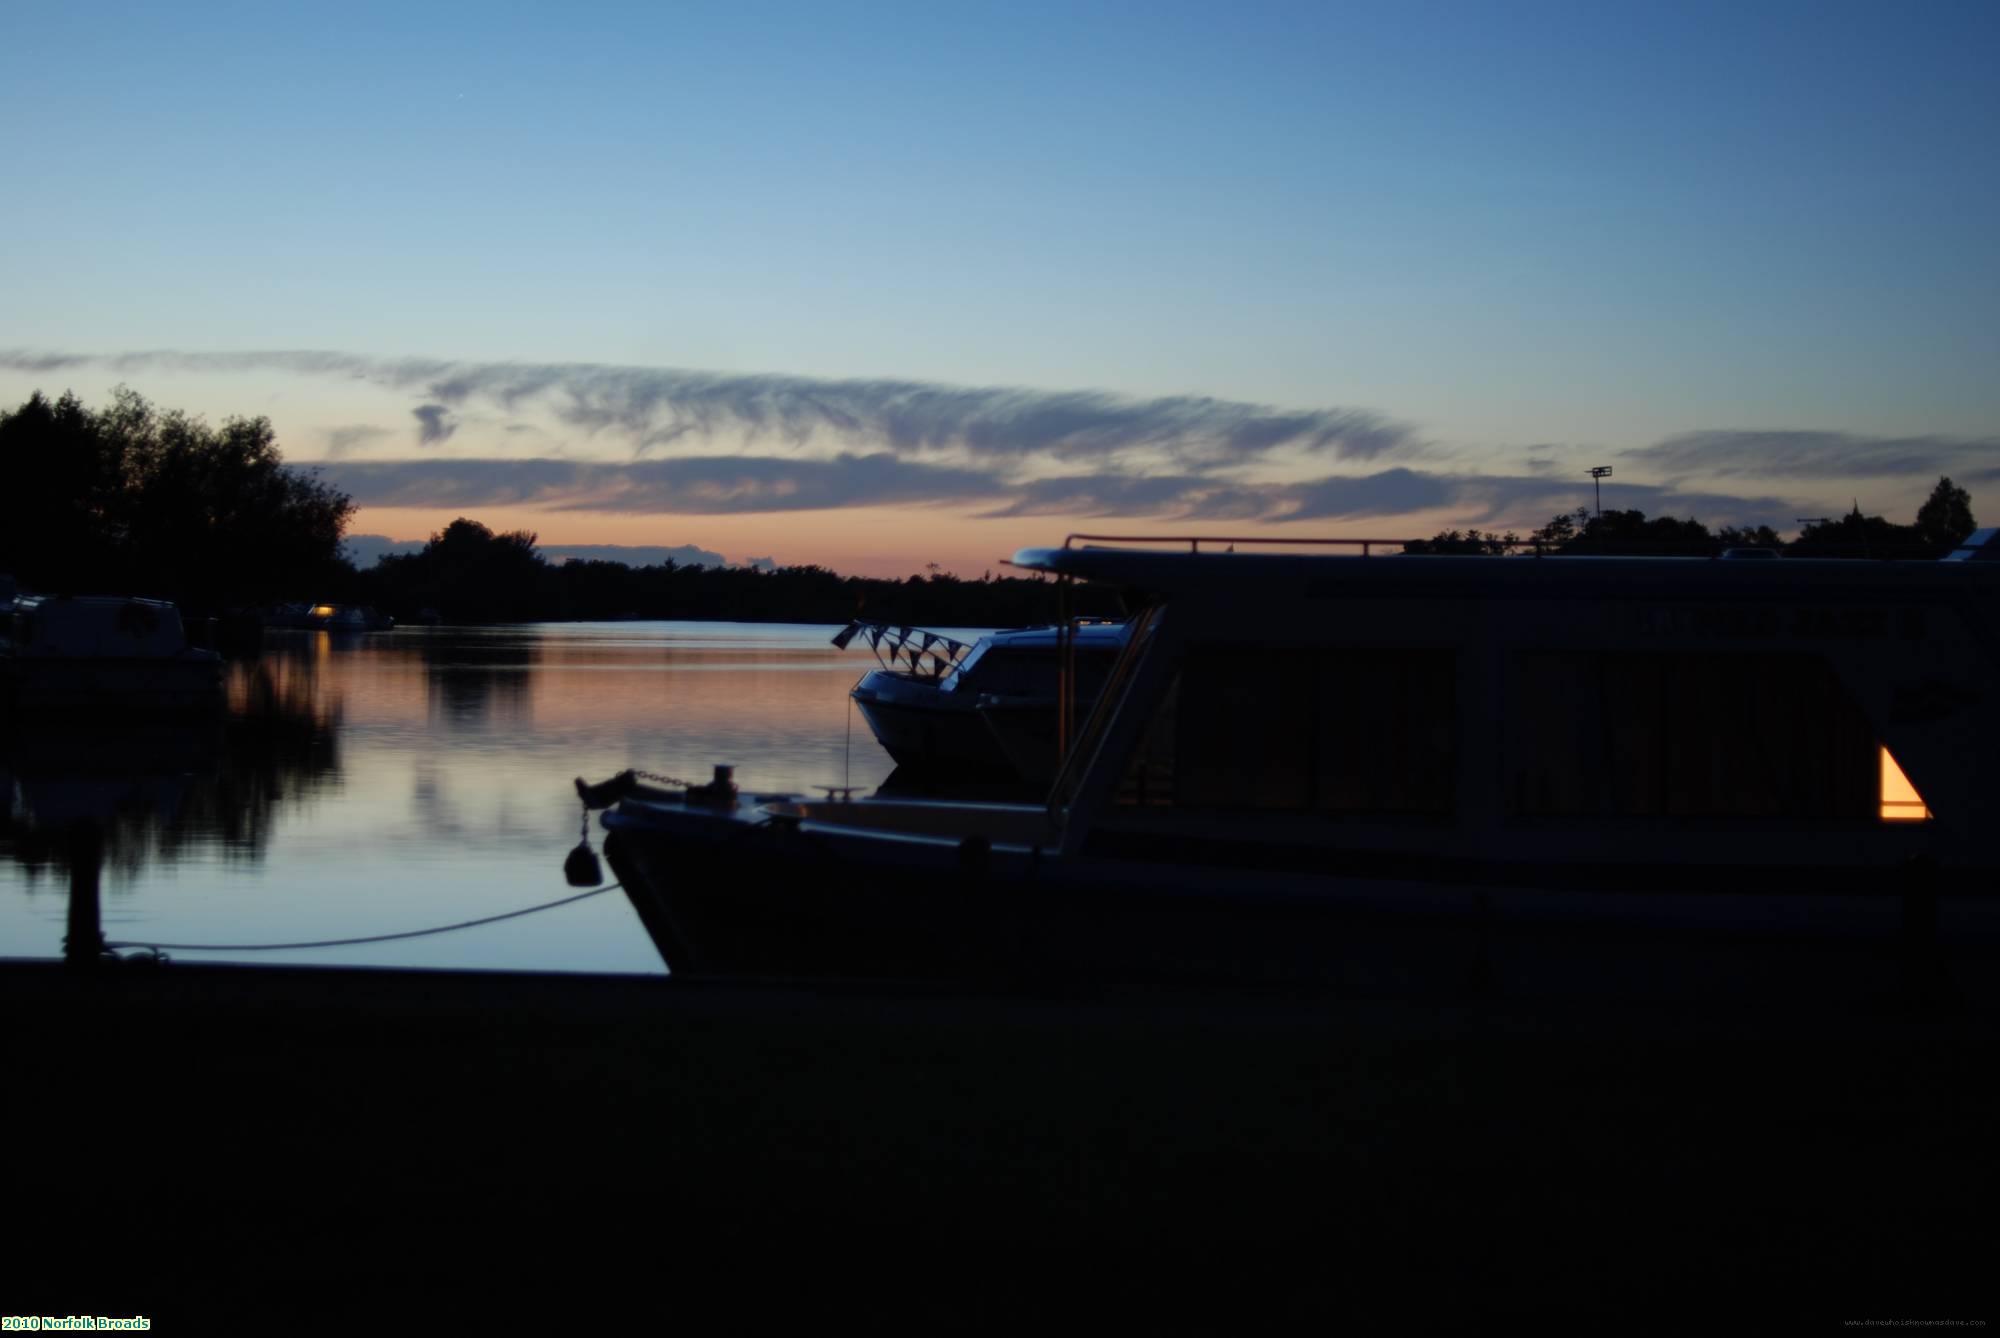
(1599,473)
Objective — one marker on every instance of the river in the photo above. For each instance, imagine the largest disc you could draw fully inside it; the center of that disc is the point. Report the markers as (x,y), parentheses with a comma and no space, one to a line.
(370,784)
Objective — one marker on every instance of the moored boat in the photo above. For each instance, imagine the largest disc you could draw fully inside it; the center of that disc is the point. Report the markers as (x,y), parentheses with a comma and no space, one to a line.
(104,656)
(1664,776)
(986,708)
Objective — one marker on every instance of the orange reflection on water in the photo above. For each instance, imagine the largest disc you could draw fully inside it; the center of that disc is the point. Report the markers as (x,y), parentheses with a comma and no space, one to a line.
(676,698)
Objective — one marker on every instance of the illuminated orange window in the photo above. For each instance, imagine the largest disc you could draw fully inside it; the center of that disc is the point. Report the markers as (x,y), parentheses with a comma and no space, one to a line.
(1900,800)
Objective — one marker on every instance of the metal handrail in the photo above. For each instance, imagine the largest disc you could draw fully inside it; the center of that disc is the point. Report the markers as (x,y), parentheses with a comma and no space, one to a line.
(1195,541)
(1576,546)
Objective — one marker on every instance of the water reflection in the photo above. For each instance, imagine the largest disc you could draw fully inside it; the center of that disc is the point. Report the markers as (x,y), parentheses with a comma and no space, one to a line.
(155,790)
(376,783)
(476,681)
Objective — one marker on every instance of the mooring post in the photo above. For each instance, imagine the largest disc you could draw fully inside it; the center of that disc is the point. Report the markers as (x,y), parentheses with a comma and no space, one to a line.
(83,945)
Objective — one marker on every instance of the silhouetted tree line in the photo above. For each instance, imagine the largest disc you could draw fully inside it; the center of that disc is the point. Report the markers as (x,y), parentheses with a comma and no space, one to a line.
(467,573)
(133,500)
(129,500)
(1942,522)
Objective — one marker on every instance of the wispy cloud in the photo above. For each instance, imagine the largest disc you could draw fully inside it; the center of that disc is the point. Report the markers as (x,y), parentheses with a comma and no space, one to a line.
(698,484)
(434,424)
(1166,496)
(1389,493)
(1716,453)
(652,408)
(341,440)
(739,484)
(800,443)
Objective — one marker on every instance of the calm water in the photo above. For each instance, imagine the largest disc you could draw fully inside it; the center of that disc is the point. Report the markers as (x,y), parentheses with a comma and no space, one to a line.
(370,784)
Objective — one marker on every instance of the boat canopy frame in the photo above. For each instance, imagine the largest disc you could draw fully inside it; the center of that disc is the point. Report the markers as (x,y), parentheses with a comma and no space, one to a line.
(922,654)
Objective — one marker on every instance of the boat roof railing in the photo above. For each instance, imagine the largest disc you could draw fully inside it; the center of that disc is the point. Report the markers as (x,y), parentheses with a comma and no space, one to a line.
(1224,543)
(1981,546)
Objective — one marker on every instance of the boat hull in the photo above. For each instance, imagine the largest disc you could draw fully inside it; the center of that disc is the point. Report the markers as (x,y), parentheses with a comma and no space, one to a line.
(926,736)
(728,898)
(1025,731)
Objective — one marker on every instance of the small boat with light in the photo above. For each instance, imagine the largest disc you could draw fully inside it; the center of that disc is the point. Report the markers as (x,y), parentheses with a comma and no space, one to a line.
(1527,774)
(330,618)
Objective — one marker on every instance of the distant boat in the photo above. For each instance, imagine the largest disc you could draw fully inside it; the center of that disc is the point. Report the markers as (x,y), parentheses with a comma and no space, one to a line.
(103,655)
(330,618)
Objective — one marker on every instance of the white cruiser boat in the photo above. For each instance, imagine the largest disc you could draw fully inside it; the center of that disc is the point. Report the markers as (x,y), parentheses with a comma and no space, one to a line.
(1529,774)
(938,704)
(103,656)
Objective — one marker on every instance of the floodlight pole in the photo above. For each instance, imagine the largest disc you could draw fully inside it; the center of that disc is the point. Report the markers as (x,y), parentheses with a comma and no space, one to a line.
(1599,473)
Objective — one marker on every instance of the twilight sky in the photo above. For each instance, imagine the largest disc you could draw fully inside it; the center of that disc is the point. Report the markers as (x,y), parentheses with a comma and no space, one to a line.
(882,285)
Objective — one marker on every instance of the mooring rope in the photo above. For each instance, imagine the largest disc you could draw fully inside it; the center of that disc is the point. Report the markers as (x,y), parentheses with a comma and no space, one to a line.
(372,938)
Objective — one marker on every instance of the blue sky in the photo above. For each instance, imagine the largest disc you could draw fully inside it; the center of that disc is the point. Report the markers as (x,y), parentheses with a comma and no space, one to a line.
(1529,237)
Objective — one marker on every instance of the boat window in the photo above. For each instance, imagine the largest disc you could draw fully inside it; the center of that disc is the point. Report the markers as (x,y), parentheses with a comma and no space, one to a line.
(1033,672)
(1771,735)
(1900,800)
(1331,731)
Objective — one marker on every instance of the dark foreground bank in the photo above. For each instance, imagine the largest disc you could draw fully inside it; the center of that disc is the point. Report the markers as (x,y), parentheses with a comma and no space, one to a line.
(212,1144)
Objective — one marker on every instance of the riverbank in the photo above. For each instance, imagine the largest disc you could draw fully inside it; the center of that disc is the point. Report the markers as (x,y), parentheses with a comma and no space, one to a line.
(205,1142)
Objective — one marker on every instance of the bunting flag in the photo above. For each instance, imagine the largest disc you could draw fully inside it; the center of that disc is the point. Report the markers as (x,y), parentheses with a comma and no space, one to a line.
(926,654)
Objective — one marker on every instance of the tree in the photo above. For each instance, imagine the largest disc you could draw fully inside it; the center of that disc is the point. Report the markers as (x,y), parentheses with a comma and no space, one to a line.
(470,573)
(1560,532)
(1945,518)
(1470,543)
(1624,532)
(1857,536)
(60,526)
(130,500)
(1759,536)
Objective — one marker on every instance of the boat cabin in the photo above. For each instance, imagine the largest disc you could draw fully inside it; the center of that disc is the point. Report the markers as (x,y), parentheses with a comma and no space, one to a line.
(96,628)
(1485,712)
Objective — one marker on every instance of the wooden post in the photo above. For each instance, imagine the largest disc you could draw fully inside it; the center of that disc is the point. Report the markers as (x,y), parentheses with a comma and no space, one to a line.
(83,945)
